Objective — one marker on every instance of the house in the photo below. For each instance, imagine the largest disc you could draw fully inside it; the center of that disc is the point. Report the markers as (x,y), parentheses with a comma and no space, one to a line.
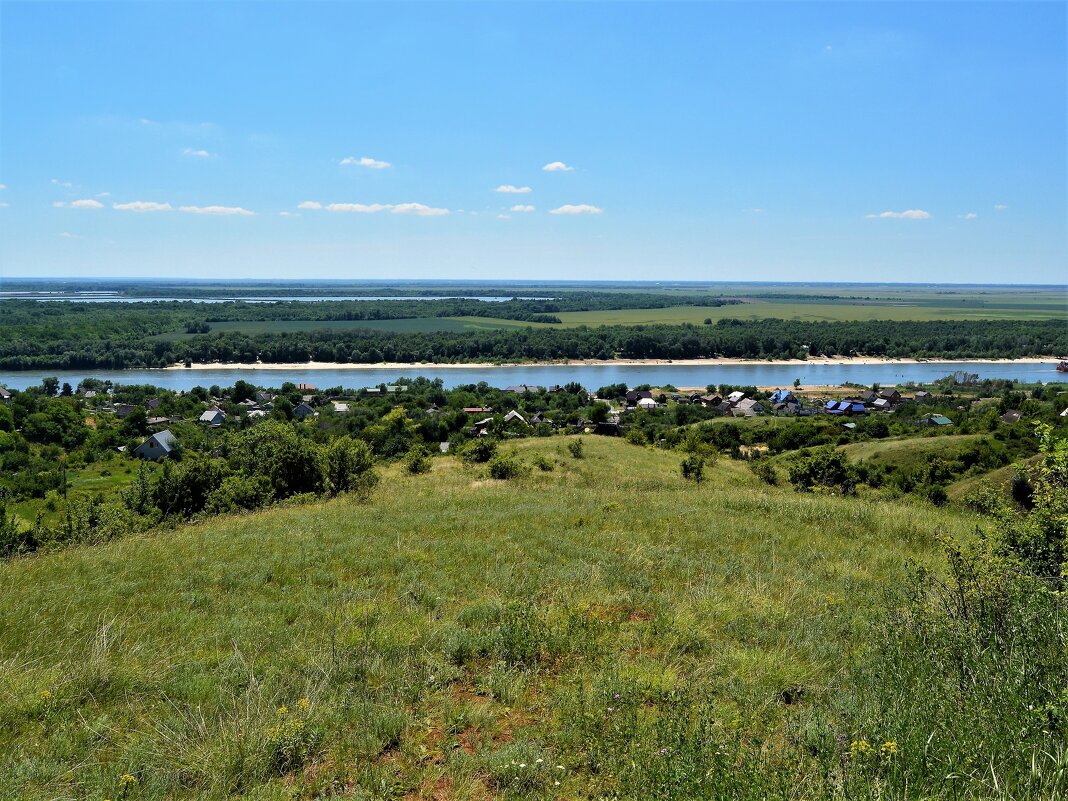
(158,421)
(124,410)
(552,389)
(396,388)
(735,397)
(790,407)
(782,396)
(306,388)
(522,389)
(158,446)
(1010,417)
(478,409)
(646,403)
(256,414)
(341,407)
(4,394)
(869,396)
(443,447)
(881,405)
(302,411)
(263,396)
(514,415)
(845,407)
(708,401)
(1064,413)
(608,429)
(635,395)
(213,417)
(923,395)
(540,418)
(935,420)
(154,403)
(891,395)
(747,407)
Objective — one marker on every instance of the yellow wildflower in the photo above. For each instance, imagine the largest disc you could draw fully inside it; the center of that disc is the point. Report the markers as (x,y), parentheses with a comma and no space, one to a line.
(304,704)
(860,748)
(888,749)
(283,710)
(46,695)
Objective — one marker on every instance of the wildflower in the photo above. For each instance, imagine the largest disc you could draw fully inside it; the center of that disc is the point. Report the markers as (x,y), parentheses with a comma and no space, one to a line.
(559,767)
(522,764)
(859,748)
(304,704)
(888,749)
(616,696)
(283,710)
(126,779)
(540,761)
(46,695)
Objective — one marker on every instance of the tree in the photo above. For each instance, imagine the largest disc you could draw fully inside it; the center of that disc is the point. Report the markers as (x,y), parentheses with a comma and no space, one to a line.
(349,466)
(273,449)
(50,385)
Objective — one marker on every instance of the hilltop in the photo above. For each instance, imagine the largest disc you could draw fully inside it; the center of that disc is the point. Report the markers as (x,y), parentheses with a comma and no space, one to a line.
(453,636)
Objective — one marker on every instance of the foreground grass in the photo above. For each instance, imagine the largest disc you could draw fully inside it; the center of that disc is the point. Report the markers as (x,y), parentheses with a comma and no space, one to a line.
(454,637)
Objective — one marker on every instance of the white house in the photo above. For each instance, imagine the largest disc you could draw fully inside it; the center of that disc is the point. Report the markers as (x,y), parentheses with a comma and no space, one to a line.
(514,415)
(158,446)
(646,403)
(213,417)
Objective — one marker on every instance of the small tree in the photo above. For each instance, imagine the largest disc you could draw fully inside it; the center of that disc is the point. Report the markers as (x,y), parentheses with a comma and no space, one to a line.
(417,461)
(480,450)
(693,468)
(348,466)
(576,448)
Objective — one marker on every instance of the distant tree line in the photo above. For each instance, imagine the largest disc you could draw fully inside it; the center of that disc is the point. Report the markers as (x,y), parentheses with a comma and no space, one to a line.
(759,339)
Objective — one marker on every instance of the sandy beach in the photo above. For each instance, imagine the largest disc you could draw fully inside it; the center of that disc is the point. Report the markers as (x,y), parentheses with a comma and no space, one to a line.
(845,360)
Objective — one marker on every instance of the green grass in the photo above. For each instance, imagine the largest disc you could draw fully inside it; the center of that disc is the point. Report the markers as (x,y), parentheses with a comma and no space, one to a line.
(909,450)
(445,632)
(107,478)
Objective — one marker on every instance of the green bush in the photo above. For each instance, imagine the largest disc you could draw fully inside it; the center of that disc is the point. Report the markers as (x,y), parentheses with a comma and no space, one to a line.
(765,471)
(693,468)
(480,451)
(506,466)
(417,461)
(576,448)
(823,468)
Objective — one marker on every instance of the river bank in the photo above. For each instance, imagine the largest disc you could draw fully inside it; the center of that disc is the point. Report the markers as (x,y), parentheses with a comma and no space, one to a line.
(715,362)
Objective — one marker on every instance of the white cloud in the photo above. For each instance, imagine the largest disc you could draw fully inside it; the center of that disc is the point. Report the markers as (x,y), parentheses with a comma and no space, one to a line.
(365,161)
(219,211)
(357,208)
(4,205)
(504,217)
(69,235)
(512,190)
(971,215)
(908,214)
(64,184)
(87,203)
(582,208)
(522,208)
(754,211)
(1000,206)
(557,166)
(418,208)
(3,186)
(288,214)
(199,154)
(142,205)
(103,194)
(58,204)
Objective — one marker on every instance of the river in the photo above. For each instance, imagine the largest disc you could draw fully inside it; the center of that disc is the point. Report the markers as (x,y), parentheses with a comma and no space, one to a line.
(590,376)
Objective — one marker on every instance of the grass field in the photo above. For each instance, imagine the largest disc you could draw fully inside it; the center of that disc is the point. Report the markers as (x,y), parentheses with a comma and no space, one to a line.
(454,637)
(107,478)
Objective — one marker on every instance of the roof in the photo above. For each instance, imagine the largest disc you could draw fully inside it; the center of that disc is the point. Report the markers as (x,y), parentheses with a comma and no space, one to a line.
(1011,416)
(514,415)
(781,396)
(889,394)
(164,440)
(306,387)
(735,396)
(478,409)
(340,406)
(646,403)
(4,393)
(939,420)
(210,415)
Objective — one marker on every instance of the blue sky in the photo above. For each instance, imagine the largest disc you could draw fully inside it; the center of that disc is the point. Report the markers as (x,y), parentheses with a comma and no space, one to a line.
(719,141)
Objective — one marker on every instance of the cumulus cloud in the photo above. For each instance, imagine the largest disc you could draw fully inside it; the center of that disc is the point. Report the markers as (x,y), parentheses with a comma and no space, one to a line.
(908,214)
(1000,206)
(504,217)
(87,203)
(63,184)
(288,214)
(365,161)
(512,190)
(142,205)
(971,215)
(582,208)
(557,166)
(219,211)
(69,235)
(198,154)
(419,209)
(103,194)
(522,208)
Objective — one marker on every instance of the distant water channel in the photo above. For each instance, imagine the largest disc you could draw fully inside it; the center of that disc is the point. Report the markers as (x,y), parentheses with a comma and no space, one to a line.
(111,297)
(590,376)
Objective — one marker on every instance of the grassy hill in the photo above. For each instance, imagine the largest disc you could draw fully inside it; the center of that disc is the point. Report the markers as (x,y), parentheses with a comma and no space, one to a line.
(453,637)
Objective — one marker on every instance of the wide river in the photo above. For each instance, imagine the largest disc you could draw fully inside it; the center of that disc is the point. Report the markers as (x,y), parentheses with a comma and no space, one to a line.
(590,376)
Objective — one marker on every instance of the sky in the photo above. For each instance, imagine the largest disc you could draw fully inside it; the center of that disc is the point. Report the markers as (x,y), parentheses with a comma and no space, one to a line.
(694,141)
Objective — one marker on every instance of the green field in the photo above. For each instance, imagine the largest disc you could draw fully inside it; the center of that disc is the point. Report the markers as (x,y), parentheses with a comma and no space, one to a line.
(106,478)
(454,637)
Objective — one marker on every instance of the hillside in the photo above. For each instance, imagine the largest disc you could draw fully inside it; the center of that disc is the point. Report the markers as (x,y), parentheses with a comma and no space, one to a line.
(453,637)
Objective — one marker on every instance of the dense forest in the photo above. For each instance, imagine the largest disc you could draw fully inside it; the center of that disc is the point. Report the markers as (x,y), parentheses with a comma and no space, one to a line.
(81,336)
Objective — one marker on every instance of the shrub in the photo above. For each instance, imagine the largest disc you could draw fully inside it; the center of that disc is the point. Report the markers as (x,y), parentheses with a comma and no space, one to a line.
(825,468)
(765,471)
(480,450)
(576,448)
(543,463)
(693,468)
(506,466)
(348,465)
(417,461)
